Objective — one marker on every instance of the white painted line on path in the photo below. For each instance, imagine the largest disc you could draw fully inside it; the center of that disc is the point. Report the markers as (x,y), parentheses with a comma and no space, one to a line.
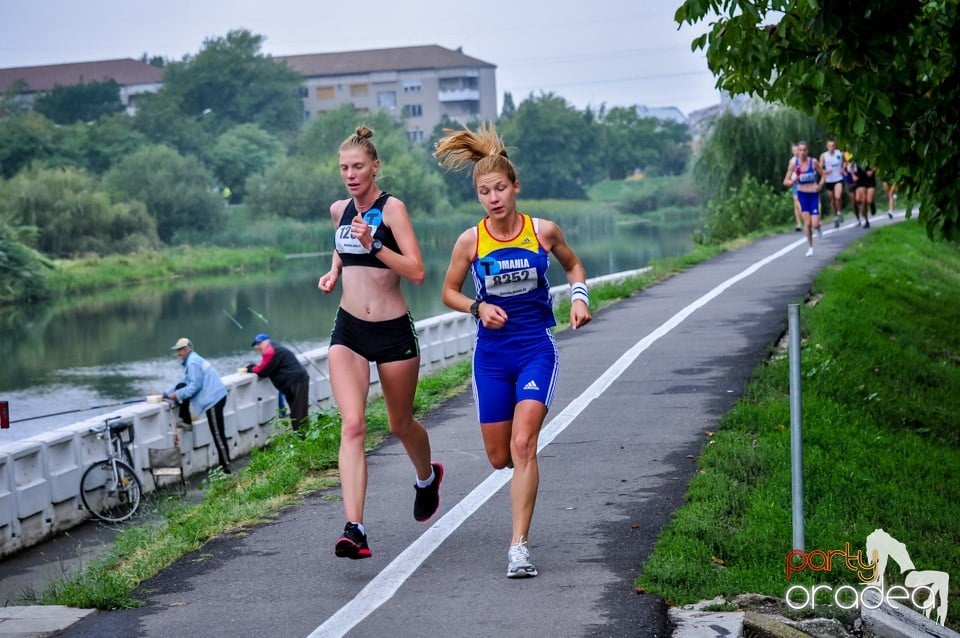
(387,582)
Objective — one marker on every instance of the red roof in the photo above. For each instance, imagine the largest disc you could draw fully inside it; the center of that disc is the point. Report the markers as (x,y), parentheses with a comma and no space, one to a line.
(124,72)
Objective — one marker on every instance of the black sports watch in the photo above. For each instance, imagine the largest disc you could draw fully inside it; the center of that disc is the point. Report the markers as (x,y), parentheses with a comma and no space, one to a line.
(475,309)
(376,246)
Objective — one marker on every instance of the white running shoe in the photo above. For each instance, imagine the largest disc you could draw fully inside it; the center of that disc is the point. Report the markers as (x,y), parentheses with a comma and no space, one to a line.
(809,252)
(518,561)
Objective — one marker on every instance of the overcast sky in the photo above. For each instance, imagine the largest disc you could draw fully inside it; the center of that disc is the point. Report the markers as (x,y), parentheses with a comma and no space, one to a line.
(618,52)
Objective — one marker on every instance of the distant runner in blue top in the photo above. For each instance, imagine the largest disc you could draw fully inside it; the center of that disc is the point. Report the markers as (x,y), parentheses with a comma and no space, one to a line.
(806,173)
(515,358)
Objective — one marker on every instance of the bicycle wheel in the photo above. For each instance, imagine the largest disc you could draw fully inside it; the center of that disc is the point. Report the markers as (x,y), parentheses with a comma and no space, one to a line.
(110,497)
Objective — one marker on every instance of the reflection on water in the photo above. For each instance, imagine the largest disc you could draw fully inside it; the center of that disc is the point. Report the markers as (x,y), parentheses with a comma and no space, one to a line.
(116,348)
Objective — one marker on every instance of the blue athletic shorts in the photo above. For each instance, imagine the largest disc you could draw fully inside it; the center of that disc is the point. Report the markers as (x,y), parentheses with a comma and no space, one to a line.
(809,202)
(509,370)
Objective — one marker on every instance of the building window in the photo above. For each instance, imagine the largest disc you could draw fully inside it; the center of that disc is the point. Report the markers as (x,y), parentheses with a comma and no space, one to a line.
(387,100)
(415,136)
(305,116)
(412,86)
(304,91)
(358,90)
(459,84)
(324,92)
(412,110)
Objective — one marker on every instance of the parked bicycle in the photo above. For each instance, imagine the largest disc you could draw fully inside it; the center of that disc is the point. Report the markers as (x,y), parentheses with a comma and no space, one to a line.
(110,489)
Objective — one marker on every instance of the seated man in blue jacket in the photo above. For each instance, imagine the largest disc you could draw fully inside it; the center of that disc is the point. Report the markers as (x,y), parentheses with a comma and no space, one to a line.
(287,375)
(202,385)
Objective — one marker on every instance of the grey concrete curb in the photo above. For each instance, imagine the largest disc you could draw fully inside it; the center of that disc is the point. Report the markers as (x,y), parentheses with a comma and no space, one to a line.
(696,623)
(38,620)
(893,620)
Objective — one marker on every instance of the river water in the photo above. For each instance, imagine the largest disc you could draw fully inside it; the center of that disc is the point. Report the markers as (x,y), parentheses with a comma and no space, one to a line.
(70,362)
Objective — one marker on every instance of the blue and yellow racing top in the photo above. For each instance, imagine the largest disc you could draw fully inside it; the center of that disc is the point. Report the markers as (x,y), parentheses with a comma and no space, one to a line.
(512,274)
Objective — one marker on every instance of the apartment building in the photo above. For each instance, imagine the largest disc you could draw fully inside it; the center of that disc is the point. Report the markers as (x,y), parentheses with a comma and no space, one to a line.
(418,85)
(134,78)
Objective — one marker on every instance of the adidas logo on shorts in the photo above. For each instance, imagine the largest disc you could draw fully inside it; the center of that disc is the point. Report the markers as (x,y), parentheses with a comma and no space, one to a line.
(531,385)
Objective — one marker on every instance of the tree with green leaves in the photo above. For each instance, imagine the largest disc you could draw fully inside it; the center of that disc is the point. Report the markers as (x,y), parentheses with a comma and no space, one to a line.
(240,152)
(24,139)
(405,169)
(294,187)
(756,144)
(555,147)
(161,121)
(322,135)
(177,190)
(85,102)
(97,146)
(882,76)
(72,215)
(658,147)
(508,106)
(21,269)
(230,82)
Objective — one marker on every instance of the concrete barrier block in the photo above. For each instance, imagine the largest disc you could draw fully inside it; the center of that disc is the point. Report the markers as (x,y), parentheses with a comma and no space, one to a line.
(69,513)
(29,480)
(61,450)
(151,426)
(268,406)
(201,433)
(8,501)
(35,528)
(244,393)
(245,441)
(91,447)
(465,344)
(322,394)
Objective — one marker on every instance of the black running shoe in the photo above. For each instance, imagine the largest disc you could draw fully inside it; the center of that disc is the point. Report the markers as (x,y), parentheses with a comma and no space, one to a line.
(427,501)
(352,543)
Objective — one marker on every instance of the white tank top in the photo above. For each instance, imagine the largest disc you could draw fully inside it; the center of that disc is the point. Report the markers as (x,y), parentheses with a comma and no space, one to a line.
(832,164)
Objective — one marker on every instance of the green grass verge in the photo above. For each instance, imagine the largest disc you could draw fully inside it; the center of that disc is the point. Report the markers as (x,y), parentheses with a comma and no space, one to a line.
(881,395)
(278,476)
(87,275)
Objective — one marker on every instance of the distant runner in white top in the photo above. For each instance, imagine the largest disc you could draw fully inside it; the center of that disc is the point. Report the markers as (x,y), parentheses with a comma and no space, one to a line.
(832,163)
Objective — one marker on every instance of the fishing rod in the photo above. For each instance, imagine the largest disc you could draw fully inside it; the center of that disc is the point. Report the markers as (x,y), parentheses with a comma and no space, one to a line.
(231,318)
(92,407)
(259,316)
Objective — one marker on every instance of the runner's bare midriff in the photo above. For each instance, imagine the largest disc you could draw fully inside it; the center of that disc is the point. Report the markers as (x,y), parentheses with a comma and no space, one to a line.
(357,281)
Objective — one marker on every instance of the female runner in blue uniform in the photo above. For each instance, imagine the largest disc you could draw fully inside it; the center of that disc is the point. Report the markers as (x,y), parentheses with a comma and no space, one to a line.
(807,174)
(515,359)
(375,248)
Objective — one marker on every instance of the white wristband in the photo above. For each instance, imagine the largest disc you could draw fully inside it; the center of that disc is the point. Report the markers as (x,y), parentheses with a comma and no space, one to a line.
(578,291)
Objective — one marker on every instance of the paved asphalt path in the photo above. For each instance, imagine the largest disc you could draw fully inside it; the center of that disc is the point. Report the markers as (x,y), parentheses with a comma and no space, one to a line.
(639,387)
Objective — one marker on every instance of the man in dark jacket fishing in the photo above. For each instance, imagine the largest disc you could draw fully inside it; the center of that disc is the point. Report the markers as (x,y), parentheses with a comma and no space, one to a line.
(287,375)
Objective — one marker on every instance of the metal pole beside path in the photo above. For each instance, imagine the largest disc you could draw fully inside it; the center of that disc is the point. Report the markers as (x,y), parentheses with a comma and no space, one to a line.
(796,429)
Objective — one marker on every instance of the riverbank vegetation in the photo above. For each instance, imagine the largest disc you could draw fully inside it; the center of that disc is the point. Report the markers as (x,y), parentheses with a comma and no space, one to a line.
(881,393)
(91,274)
